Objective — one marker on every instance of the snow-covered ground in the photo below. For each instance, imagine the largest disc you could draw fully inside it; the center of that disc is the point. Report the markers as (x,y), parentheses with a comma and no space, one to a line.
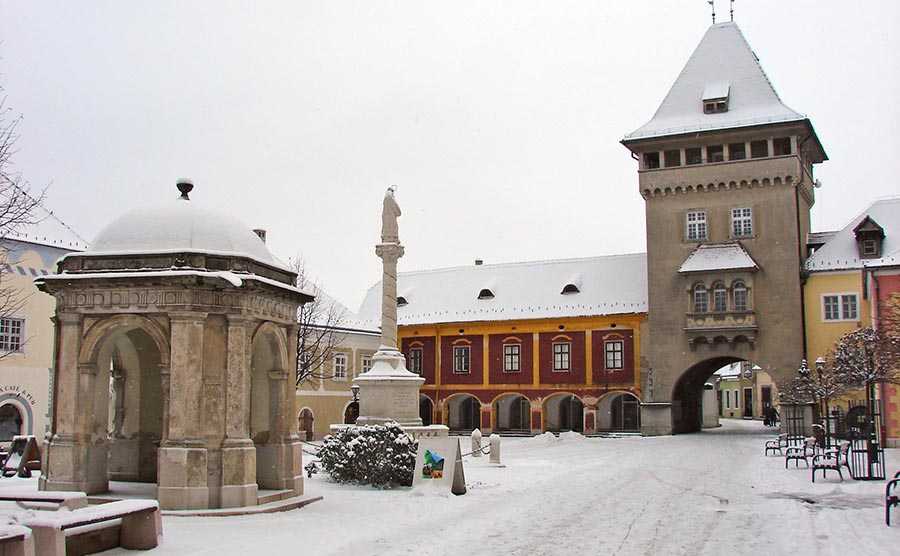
(707,493)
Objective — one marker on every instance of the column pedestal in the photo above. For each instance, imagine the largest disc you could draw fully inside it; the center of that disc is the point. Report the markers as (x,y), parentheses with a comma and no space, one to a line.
(238,474)
(182,477)
(74,465)
(388,391)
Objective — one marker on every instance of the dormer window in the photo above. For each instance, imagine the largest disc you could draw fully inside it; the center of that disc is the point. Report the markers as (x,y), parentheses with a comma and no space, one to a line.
(401,301)
(570,288)
(715,97)
(869,236)
(486,294)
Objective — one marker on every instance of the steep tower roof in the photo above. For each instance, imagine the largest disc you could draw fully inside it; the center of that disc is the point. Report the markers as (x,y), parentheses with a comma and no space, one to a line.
(722,66)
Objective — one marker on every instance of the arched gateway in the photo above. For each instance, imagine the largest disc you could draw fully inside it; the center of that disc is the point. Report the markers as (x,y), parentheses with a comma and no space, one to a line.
(174,361)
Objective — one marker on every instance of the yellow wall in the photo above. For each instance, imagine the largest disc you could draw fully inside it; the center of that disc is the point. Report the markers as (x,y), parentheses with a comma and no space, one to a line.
(821,335)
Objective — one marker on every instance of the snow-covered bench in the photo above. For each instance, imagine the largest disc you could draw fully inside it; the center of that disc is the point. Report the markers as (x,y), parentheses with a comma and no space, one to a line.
(777,445)
(832,459)
(16,540)
(70,500)
(803,452)
(93,529)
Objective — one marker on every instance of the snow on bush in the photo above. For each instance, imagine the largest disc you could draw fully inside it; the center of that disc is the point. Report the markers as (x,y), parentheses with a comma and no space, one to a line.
(378,455)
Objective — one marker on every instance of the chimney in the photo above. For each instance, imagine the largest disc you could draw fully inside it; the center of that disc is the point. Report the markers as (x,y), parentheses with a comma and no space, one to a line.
(479,262)
(260,233)
(185,186)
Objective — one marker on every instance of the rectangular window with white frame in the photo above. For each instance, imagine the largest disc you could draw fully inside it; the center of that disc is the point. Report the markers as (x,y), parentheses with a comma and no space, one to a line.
(742,222)
(339,363)
(614,351)
(512,358)
(366,363)
(11,335)
(462,359)
(414,364)
(840,306)
(696,225)
(562,352)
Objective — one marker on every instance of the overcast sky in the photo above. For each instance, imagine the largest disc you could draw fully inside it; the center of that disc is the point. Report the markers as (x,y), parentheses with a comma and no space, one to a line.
(499,121)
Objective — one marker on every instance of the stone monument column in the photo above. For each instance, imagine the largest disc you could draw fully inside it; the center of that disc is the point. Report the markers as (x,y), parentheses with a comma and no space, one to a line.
(239,486)
(183,456)
(388,391)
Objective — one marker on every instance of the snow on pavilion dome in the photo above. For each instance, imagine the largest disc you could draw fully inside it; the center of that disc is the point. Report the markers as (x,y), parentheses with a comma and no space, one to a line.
(180,225)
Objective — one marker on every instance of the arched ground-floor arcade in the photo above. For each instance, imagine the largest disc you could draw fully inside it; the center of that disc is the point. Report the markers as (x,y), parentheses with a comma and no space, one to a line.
(519,412)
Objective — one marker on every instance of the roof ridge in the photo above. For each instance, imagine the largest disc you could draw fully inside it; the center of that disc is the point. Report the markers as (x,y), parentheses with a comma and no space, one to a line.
(522,263)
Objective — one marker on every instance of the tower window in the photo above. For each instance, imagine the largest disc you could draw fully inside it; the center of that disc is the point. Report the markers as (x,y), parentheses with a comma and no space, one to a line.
(740,297)
(715,153)
(737,151)
(781,146)
(673,158)
(696,225)
(720,299)
(742,222)
(759,149)
(701,300)
(693,156)
(651,160)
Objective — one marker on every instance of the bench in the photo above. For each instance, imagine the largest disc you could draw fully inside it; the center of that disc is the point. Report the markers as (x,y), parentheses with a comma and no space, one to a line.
(70,500)
(891,499)
(139,528)
(23,458)
(16,541)
(777,445)
(804,452)
(832,459)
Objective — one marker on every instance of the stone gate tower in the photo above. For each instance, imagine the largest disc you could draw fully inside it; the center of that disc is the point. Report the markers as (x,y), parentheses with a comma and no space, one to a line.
(726,171)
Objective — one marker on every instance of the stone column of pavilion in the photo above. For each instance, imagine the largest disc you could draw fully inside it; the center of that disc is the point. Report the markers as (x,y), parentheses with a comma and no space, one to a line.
(388,391)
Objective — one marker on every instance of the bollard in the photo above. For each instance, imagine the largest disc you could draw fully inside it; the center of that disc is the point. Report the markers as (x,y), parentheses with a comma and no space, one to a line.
(476,443)
(495,448)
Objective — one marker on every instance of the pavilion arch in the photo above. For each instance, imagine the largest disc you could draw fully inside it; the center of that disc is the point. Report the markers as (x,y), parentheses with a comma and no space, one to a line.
(463,412)
(102,329)
(619,411)
(563,411)
(512,412)
(268,367)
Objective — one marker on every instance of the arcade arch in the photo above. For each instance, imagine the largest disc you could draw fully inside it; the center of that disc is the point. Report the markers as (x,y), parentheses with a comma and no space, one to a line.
(619,412)
(463,413)
(426,410)
(512,413)
(563,412)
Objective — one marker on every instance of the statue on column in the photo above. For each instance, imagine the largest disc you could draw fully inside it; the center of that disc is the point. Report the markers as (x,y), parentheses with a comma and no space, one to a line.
(390,232)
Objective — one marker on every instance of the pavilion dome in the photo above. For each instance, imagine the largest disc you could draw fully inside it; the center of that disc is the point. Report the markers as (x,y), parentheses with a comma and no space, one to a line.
(180,225)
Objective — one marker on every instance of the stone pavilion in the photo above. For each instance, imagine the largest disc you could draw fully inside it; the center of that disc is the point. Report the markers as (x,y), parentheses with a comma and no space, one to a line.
(175,361)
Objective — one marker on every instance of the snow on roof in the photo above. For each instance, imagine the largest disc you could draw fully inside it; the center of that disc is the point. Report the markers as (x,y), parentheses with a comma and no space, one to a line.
(180,225)
(48,230)
(820,238)
(236,279)
(347,319)
(722,59)
(609,285)
(718,256)
(841,252)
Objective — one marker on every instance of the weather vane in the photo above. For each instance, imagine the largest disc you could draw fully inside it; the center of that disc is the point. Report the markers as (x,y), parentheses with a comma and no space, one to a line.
(712,5)
(731,10)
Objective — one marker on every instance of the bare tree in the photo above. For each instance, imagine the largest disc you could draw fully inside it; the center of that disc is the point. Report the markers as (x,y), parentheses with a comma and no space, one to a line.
(321,329)
(817,385)
(18,207)
(868,356)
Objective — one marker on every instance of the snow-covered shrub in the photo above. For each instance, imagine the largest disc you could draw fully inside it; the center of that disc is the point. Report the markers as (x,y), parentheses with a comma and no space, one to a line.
(378,455)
